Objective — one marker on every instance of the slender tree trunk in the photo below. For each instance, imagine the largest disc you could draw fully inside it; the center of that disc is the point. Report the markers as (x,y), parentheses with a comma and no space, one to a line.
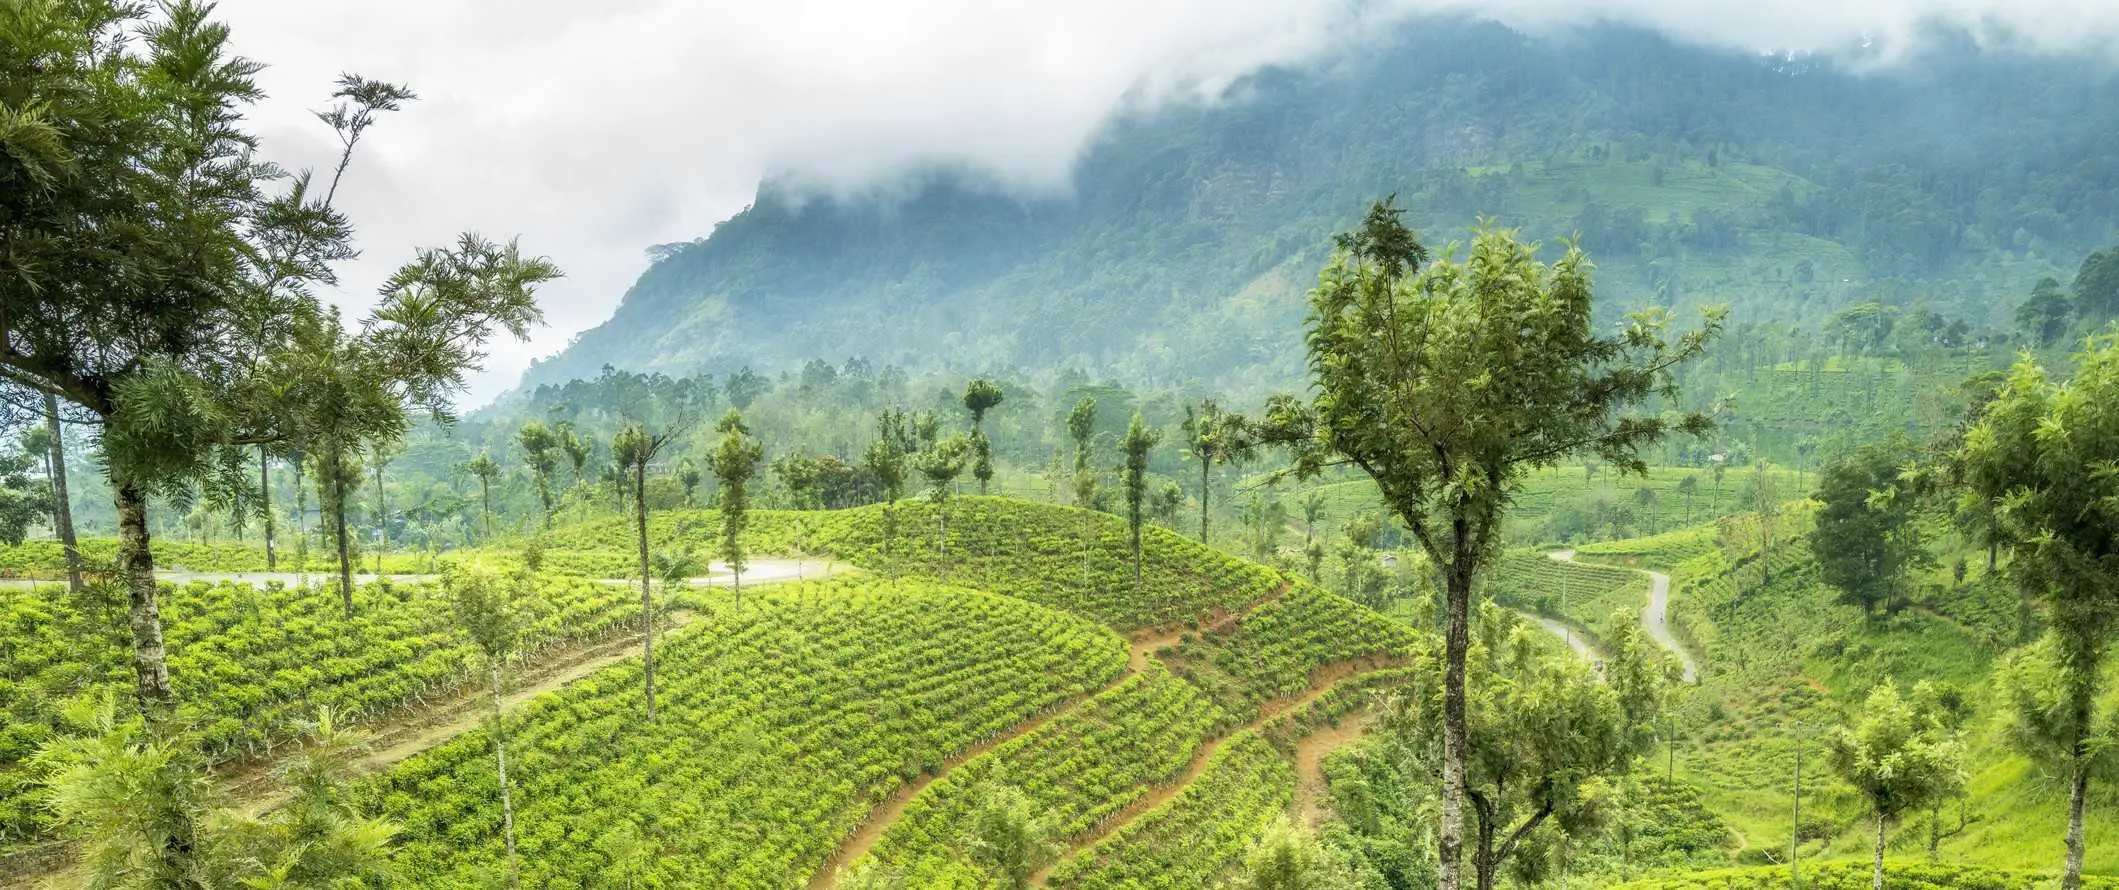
(1456,644)
(338,518)
(1876,882)
(382,516)
(150,661)
(500,761)
(1483,864)
(647,595)
(2078,799)
(62,506)
(485,504)
(272,560)
(1204,466)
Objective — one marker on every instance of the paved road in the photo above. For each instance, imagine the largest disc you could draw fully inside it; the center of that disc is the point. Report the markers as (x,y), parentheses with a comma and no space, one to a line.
(1574,640)
(1655,616)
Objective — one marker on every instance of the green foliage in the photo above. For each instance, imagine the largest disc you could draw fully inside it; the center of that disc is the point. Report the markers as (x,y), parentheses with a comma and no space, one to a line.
(1289,858)
(1195,837)
(791,719)
(251,666)
(1855,875)
(1077,770)
(1864,537)
(1279,648)
(1891,754)
(735,461)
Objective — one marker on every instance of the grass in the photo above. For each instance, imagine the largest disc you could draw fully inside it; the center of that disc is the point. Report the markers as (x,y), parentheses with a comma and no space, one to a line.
(1783,661)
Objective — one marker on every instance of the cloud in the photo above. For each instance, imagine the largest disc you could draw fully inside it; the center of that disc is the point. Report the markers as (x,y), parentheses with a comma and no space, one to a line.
(596,129)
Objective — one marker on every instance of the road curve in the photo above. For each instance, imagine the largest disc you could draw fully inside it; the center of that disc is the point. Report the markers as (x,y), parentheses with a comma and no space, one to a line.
(1655,616)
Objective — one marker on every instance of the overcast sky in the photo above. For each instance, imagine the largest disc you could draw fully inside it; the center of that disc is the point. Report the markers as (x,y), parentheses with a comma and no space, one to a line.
(596,129)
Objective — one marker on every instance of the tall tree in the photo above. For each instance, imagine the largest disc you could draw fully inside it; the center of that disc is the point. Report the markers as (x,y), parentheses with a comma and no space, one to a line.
(485,469)
(1447,385)
(1139,441)
(62,501)
(2042,453)
(886,459)
(1891,755)
(379,456)
(1081,427)
(479,601)
(577,448)
(736,458)
(635,448)
(354,392)
(151,261)
(940,464)
(1865,538)
(980,396)
(1214,436)
(540,450)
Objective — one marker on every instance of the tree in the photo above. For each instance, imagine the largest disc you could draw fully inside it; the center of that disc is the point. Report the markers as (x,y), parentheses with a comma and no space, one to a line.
(744,387)
(1688,486)
(1894,758)
(1547,729)
(2041,453)
(1313,504)
(379,456)
(347,392)
(1008,835)
(1865,537)
(940,464)
(485,470)
(1138,442)
(1766,502)
(1286,857)
(886,459)
(1081,427)
(688,476)
(980,396)
(61,501)
(479,602)
(1447,385)
(2036,686)
(540,449)
(152,262)
(1647,497)
(635,448)
(1214,436)
(735,460)
(577,448)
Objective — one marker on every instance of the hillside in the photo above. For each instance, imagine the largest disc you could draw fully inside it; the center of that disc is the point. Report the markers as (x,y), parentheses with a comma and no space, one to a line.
(1785,187)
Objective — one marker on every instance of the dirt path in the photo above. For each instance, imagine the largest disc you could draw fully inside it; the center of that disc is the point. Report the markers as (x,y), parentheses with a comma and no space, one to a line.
(1140,652)
(408,732)
(887,813)
(1311,788)
(1326,680)
(1655,616)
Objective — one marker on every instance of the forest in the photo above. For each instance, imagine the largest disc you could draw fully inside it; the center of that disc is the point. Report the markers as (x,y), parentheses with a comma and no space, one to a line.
(1501,572)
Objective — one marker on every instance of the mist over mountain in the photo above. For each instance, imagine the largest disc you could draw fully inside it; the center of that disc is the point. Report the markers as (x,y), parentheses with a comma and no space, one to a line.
(1782,185)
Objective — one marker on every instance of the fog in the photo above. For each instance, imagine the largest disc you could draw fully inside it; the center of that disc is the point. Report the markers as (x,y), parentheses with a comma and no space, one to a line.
(596,130)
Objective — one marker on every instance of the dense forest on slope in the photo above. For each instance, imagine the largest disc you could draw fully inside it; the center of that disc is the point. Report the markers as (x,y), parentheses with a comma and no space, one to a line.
(1785,187)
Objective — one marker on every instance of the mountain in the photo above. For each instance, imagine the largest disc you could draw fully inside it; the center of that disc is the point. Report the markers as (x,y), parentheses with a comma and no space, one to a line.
(1783,186)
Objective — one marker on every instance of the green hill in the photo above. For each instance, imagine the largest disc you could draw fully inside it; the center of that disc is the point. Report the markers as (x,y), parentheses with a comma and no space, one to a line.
(1784,187)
